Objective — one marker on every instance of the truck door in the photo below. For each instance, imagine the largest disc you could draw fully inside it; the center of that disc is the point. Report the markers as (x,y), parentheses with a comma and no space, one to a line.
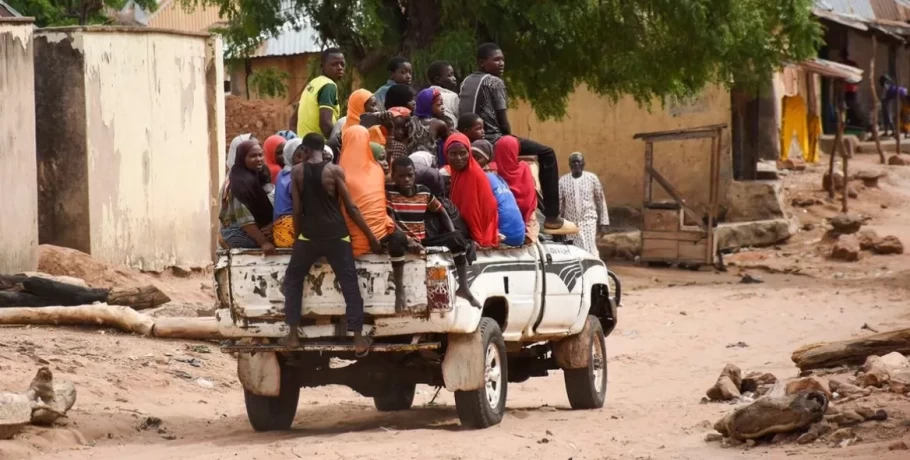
(562,286)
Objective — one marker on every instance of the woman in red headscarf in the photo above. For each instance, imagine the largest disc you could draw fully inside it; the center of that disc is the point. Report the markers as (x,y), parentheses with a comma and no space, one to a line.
(269,149)
(517,175)
(471,192)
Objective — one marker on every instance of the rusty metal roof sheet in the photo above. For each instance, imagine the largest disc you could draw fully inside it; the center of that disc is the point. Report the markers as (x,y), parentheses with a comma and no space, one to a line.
(890,10)
(832,69)
(7,11)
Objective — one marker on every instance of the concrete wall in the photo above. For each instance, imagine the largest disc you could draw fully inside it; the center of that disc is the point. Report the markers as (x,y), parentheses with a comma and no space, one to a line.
(603,131)
(143,141)
(18,186)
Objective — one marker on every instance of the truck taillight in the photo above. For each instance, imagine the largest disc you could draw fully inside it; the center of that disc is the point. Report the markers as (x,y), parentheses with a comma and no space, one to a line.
(438,295)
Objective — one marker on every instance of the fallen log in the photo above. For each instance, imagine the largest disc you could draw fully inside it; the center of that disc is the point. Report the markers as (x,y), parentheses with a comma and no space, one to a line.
(186,328)
(123,318)
(44,291)
(854,351)
(140,298)
(771,415)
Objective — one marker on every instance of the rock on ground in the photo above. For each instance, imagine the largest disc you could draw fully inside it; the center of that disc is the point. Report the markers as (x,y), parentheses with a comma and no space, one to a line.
(846,248)
(758,383)
(754,200)
(875,372)
(770,415)
(846,223)
(867,239)
(845,389)
(888,245)
(754,234)
(895,361)
(899,160)
(812,383)
(869,177)
(838,181)
(899,445)
(846,418)
(727,386)
(622,245)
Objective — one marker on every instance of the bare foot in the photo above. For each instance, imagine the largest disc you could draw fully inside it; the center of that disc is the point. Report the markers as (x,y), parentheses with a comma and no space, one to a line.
(362,345)
(553,222)
(466,294)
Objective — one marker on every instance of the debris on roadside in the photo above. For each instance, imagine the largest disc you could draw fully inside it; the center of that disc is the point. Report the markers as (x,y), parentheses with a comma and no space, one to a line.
(727,386)
(42,403)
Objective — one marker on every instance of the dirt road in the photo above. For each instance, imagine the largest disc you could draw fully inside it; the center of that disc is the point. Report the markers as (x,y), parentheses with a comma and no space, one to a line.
(673,338)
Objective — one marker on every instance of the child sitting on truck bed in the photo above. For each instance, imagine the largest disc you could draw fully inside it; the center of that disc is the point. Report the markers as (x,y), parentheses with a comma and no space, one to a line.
(409,203)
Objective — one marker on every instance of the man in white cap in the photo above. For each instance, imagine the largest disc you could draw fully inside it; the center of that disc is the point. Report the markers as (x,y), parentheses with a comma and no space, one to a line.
(581,200)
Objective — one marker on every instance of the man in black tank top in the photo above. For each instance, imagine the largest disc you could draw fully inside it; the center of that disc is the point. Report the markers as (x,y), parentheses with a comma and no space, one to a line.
(317,186)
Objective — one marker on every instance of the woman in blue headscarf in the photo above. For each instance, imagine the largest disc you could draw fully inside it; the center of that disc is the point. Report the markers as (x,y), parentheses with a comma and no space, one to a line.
(427,125)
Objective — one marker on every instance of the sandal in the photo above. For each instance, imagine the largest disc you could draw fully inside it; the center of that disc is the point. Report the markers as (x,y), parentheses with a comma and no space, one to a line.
(366,352)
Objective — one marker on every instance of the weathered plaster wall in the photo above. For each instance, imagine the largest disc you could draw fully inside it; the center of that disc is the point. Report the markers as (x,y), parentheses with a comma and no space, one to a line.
(18,186)
(148,149)
(603,131)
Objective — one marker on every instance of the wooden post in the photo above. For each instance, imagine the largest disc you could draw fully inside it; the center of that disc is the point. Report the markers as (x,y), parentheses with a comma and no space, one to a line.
(846,159)
(876,106)
(649,163)
(897,103)
(839,134)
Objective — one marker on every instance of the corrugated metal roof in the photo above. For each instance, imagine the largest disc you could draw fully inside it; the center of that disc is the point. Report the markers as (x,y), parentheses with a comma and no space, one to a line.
(290,42)
(10,11)
(833,69)
(864,9)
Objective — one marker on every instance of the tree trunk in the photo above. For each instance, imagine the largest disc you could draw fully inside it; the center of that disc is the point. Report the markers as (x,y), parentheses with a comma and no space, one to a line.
(771,415)
(64,294)
(846,194)
(123,318)
(854,351)
(139,298)
(839,135)
(187,328)
(875,103)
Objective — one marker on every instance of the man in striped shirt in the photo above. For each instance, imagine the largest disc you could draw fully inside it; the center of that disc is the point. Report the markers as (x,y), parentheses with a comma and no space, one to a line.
(408,204)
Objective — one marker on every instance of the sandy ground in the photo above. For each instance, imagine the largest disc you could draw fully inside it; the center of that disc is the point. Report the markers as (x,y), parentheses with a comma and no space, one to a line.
(677,330)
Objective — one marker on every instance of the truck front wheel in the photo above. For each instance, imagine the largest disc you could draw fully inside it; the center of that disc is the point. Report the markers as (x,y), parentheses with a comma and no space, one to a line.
(587,387)
(484,407)
(274,413)
(401,397)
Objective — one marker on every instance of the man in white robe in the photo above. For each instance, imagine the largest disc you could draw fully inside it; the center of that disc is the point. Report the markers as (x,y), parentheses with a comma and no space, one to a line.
(581,200)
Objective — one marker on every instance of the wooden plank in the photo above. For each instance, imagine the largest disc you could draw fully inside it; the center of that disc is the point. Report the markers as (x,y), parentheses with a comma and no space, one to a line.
(659,249)
(693,251)
(660,219)
(677,236)
(649,163)
(652,136)
(676,197)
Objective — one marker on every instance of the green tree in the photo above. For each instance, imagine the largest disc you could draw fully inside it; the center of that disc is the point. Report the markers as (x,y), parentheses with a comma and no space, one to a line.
(650,49)
(49,13)
(270,82)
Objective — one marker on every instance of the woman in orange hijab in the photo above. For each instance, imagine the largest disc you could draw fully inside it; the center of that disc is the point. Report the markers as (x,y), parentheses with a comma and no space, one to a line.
(366,184)
(269,149)
(360,102)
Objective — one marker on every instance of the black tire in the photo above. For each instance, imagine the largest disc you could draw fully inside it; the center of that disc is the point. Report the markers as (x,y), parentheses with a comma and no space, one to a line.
(401,397)
(581,386)
(473,408)
(274,413)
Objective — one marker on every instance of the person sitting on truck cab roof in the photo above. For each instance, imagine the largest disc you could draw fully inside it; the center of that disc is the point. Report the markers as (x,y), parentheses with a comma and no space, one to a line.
(317,188)
(366,184)
(246,212)
(409,203)
(471,192)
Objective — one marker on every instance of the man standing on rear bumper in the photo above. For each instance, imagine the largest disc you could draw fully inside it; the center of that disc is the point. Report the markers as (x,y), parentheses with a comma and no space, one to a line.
(317,186)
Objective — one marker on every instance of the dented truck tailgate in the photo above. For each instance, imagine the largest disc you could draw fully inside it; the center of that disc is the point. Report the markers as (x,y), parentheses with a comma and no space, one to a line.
(250,285)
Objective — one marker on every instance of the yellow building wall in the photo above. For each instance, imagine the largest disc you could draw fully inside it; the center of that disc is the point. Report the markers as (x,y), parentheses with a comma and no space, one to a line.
(18,183)
(171,15)
(603,130)
(149,148)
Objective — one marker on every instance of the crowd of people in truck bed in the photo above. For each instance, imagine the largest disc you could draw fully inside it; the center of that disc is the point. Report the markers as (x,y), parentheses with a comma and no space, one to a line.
(401,171)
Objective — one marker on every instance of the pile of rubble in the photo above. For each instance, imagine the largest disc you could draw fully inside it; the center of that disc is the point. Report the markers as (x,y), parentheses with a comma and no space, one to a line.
(851,240)
(810,409)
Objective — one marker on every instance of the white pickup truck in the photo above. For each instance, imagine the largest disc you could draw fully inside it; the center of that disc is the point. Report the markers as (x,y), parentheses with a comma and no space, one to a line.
(546,306)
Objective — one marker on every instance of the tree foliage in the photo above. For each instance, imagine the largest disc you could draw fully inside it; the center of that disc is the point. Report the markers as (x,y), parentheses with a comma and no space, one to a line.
(270,82)
(48,13)
(649,49)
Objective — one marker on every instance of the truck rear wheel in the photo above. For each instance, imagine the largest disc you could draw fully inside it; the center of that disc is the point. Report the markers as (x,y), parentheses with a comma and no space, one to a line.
(274,413)
(401,397)
(587,387)
(484,407)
